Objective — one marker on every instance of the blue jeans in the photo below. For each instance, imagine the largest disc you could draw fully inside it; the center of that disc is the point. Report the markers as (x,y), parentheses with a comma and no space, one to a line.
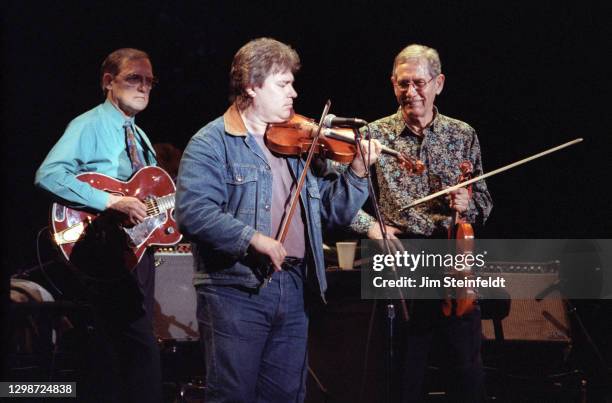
(254,341)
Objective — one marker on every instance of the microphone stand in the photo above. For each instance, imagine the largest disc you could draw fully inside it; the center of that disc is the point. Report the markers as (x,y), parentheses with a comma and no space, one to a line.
(390,305)
(561,285)
(572,311)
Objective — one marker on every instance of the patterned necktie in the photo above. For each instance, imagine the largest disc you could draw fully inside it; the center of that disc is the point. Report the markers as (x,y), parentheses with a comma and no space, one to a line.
(130,140)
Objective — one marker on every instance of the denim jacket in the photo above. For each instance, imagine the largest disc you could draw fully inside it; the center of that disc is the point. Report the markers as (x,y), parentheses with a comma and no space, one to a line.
(224,194)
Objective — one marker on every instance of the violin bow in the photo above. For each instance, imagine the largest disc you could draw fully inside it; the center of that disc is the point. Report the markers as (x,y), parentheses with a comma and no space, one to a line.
(495,172)
(284,228)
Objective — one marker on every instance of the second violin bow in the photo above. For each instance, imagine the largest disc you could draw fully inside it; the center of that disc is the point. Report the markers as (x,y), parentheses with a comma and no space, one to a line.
(483,176)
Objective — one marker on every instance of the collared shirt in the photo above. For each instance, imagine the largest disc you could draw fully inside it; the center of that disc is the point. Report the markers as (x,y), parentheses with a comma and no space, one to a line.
(224,195)
(443,146)
(92,142)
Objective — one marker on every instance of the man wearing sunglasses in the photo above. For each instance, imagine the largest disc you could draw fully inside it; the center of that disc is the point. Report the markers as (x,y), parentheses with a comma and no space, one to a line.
(124,362)
(440,144)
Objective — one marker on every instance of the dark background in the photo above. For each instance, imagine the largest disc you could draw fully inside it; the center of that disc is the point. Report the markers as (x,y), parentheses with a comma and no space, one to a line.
(526,76)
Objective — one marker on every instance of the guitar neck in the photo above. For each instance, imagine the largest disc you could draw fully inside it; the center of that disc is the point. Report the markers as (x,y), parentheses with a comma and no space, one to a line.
(160,205)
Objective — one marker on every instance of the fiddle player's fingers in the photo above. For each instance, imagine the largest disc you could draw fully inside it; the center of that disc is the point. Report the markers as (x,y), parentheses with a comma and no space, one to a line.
(395,244)
(364,147)
(278,257)
(371,149)
(459,205)
(461,192)
(391,242)
(374,144)
(395,241)
(377,147)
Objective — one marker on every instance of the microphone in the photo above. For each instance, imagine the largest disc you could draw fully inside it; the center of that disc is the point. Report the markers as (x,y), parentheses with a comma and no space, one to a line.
(333,120)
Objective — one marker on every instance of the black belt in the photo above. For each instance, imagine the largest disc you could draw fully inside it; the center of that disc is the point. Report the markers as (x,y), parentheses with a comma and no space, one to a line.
(296,265)
(294,261)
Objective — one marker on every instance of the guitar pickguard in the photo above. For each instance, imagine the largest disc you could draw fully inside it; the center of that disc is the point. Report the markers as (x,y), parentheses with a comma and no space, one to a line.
(138,234)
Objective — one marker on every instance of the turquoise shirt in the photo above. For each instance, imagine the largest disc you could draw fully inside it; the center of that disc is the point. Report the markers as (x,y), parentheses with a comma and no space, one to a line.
(92,142)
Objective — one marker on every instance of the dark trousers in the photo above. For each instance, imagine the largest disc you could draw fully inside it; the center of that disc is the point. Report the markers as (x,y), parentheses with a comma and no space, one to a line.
(123,362)
(255,340)
(457,343)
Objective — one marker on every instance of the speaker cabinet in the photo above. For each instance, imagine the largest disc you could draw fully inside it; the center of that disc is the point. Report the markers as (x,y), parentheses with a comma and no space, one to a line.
(175,297)
(542,320)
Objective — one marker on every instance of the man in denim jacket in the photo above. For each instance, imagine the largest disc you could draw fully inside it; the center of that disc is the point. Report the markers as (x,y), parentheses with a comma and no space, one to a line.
(232,196)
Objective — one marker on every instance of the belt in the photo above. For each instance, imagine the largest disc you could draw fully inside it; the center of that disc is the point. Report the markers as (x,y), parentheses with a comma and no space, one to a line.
(296,265)
(294,261)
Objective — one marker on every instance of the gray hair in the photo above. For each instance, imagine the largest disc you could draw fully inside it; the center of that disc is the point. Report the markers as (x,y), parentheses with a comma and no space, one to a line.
(415,51)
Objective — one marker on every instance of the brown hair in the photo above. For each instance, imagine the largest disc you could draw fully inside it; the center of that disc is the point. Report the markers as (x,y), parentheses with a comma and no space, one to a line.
(113,62)
(254,62)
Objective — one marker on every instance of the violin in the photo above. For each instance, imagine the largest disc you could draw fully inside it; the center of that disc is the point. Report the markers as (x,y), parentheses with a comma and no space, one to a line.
(300,135)
(464,299)
(460,228)
(295,137)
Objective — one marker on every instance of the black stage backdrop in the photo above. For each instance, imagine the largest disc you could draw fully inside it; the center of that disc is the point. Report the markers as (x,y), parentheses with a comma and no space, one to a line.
(526,75)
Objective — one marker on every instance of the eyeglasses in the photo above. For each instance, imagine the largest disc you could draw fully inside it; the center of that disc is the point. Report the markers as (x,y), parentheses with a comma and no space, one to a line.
(134,80)
(417,84)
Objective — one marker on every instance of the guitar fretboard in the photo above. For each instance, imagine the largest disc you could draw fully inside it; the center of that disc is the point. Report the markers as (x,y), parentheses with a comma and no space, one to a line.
(159,205)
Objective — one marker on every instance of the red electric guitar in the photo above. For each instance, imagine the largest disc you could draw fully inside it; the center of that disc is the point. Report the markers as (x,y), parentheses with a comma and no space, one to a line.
(152,185)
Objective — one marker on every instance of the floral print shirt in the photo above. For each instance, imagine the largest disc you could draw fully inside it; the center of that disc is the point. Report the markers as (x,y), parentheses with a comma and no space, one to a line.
(445,144)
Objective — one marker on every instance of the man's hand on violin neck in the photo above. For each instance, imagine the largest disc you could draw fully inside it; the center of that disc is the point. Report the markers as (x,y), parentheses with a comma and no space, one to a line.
(460,199)
(375,233)
(371,152)
(271,248)
(395,244)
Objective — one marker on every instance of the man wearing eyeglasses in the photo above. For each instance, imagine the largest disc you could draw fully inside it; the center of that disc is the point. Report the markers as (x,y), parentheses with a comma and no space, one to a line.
(441,144)
(124,364)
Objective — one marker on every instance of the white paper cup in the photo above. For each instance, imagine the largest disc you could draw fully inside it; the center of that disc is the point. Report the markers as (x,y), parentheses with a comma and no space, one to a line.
(346,254)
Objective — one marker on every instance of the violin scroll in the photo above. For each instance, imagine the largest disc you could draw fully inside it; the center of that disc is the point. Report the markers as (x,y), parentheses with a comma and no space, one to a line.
(467,169)
(411,165)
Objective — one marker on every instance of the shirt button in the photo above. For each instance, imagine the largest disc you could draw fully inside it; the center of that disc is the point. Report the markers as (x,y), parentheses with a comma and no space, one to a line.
(267,207)
(267,167)
(238,178)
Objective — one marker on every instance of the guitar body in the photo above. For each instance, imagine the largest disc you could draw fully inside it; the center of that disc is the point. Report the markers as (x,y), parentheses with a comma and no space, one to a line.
(151,184)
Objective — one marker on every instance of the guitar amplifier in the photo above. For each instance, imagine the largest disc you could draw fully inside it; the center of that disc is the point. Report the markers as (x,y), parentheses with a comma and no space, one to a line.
(543,320)
(175,296)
